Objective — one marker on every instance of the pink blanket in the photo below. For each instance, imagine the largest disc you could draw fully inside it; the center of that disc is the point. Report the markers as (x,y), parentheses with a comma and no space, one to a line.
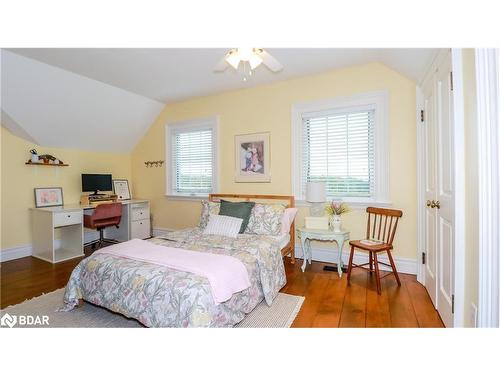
(226,275)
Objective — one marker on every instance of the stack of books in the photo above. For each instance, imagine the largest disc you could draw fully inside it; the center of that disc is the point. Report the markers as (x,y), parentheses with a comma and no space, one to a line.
(372,242)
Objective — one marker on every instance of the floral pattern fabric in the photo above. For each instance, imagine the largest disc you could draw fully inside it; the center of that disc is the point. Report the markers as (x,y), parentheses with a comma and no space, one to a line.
(159,296)
(207,209)
(266,219)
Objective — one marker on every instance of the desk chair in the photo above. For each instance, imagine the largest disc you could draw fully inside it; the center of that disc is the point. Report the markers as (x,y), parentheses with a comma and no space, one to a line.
(104,215)
(383,233)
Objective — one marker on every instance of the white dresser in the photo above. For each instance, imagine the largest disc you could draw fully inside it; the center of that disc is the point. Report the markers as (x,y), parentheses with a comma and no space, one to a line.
(58,232)
(135,223)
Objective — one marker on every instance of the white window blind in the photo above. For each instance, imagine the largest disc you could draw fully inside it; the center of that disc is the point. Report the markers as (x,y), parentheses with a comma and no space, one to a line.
(338,148)
(192,161)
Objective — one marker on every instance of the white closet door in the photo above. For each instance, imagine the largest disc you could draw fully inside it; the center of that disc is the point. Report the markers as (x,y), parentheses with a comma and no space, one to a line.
(439,189)
(445,189)
(430,188)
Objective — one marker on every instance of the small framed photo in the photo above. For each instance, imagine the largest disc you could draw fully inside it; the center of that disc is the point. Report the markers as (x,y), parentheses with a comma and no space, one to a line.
(121,189)
(252,158)
(49,197)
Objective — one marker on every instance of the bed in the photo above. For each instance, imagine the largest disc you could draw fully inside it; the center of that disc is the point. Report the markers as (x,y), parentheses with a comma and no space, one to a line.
(159,296)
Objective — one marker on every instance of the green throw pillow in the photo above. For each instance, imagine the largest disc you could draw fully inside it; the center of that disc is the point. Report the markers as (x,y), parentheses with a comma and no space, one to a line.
(241,210)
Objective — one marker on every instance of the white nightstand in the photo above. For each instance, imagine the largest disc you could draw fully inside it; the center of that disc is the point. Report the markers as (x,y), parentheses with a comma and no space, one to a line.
(306,235)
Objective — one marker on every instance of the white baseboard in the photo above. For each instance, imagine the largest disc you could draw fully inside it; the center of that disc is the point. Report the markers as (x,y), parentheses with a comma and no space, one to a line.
(329,255)
(26,250)
(15,253)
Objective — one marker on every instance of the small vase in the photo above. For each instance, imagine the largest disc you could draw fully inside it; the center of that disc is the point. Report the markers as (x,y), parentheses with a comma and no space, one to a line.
(336,223)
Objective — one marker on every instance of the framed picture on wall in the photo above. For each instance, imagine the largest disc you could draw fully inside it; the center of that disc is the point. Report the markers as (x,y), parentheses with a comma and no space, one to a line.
(49,197)
(252,158)
(121,189)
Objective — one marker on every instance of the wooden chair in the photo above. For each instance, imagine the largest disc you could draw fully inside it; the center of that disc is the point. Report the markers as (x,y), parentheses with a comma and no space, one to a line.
(381,228)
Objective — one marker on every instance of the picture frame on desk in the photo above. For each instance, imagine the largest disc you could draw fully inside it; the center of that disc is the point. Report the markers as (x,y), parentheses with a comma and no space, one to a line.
(121,189)
(49,197)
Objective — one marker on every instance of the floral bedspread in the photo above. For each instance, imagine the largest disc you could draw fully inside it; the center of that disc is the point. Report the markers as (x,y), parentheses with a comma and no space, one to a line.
(158,296)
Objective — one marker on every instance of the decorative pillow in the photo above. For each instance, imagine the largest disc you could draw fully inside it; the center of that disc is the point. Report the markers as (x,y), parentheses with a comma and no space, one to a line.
(240,210)
(287,219)
(266,219)
(223,225)
(207,209)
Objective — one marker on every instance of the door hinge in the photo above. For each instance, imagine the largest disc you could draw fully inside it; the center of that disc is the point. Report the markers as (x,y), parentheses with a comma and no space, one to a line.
(453,304)
(422,118)
(423,258)
(451,81)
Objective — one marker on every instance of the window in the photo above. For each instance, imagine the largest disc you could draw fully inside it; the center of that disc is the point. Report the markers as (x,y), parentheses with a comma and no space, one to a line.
(342,142)
(192,158)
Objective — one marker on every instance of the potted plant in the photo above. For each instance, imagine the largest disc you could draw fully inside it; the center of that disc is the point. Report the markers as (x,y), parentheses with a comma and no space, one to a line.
(334,210)
(34,156)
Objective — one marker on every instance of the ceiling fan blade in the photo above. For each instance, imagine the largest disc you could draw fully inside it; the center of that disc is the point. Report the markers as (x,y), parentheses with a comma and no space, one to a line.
(221,65)
(273,64)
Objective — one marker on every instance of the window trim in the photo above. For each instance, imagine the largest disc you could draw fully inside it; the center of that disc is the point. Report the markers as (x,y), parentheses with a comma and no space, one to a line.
(378,100)
(193,124)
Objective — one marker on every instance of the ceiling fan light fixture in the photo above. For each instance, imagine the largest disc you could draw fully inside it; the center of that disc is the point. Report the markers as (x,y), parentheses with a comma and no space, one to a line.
(254,61)
(249,58)
(245,53)
(233,59)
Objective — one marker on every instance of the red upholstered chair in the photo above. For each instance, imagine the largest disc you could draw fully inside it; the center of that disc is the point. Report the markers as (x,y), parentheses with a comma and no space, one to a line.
(104,215)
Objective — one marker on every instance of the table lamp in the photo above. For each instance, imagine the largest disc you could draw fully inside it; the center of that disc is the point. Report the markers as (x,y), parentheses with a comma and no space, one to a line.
(316,195)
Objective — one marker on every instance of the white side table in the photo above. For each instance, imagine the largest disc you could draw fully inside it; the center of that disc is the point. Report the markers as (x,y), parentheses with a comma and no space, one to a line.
(306,235)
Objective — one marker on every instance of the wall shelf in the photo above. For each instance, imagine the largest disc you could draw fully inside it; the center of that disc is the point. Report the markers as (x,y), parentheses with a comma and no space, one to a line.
(47,164)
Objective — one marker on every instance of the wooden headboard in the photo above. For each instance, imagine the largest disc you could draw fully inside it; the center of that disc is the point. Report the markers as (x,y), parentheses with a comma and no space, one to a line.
(290,202)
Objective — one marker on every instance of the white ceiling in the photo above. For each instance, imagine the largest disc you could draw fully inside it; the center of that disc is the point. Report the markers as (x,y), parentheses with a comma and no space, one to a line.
(105,99)
(171,74)
(55,108)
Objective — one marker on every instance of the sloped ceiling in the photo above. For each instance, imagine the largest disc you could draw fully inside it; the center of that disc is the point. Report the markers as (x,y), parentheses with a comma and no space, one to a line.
(105,99)
(53,107)
(173,74)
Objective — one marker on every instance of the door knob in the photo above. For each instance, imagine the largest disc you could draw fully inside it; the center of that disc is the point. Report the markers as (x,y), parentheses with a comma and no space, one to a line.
(433,204)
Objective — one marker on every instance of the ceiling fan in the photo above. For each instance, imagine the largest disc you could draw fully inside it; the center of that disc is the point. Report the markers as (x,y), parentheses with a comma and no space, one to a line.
(251,56)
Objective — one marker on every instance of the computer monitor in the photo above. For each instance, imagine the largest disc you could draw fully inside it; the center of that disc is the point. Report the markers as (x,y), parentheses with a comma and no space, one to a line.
(96,182)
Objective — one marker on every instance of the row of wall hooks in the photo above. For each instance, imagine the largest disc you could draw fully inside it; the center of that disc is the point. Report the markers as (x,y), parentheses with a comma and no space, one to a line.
(150,164)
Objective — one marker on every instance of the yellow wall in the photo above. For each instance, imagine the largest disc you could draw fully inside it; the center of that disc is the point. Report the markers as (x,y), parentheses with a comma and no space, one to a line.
(471,188)
(18,181)
(267,108)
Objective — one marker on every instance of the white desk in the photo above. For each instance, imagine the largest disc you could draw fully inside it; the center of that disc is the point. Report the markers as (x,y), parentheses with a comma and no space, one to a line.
(135,222)
(58,232)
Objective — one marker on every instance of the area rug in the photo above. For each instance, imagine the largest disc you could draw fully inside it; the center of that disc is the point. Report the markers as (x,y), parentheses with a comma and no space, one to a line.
(281,314)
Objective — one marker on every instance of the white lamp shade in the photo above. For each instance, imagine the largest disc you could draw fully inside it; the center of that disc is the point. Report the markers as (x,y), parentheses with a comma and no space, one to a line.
(316,192)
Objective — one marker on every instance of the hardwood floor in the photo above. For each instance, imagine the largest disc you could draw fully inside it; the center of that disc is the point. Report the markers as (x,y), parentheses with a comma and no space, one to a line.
(329,301)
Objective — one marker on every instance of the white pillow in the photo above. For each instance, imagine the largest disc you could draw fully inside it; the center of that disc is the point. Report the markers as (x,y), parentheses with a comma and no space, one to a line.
(287,219)
(223,225)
